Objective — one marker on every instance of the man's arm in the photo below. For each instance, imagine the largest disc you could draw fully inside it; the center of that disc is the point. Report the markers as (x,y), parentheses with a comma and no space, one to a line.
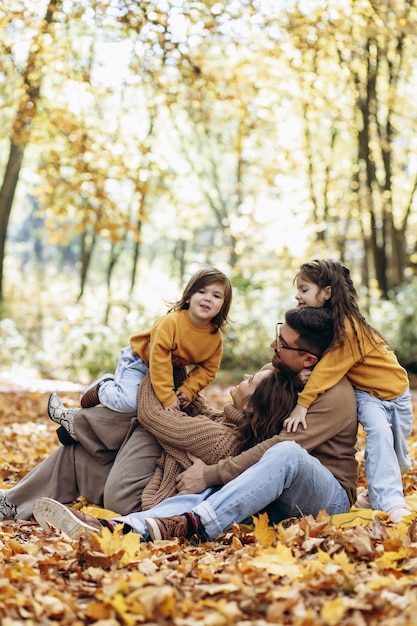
(327,417)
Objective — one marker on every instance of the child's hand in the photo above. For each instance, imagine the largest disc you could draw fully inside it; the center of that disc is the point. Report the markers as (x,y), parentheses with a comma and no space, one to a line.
(304,375)
(184,401)
(174,406)
(297,416)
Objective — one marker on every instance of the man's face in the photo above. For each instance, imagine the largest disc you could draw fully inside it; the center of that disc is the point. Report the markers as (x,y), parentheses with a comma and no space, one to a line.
(286,350)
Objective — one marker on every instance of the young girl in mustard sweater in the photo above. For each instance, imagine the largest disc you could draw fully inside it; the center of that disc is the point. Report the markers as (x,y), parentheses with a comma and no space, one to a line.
(381,384)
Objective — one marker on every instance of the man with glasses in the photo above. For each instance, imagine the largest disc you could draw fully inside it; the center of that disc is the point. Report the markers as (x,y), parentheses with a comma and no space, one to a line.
(290,474)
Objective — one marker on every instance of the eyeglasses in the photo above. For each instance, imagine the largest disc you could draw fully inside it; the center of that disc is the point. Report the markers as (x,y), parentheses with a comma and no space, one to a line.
(281,346)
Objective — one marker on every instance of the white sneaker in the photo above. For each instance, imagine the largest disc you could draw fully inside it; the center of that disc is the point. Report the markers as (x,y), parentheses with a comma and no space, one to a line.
(363,501)
(52,514)
(398,513)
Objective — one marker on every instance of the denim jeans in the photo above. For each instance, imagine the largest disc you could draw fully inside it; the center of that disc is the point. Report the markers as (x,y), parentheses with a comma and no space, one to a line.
(387,424)
(121,393)
(286,482)
(176,505)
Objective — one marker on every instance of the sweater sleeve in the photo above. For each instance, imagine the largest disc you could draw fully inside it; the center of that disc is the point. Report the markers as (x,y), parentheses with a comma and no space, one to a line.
(330,436)
(200,435)
(204,435)
(204,372)
(332,367)
(160,359)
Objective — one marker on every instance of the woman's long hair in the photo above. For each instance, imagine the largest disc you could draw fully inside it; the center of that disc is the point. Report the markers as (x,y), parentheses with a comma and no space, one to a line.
(273,400)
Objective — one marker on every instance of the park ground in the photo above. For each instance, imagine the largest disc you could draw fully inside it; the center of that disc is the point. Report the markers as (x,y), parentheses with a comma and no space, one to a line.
(356,570)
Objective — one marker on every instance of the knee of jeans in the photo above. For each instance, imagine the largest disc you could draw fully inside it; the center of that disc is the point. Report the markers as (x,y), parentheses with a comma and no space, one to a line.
(289,448)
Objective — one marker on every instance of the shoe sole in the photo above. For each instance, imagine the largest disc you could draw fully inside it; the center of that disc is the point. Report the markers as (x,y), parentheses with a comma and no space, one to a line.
(102,379)
(46,509)
(153,529)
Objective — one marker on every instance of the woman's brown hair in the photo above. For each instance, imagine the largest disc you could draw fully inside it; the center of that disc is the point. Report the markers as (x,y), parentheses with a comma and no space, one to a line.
(272,402)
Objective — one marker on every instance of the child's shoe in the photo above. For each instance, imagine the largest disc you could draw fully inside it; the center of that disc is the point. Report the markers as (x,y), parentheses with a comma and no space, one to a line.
(363,501)
(89,396)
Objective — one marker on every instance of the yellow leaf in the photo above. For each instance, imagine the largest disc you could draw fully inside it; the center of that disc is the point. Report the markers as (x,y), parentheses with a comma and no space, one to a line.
(389,559)
(114,542)
(342,559)
(263,531)
(333,611)
(279,561)
(411,500)
(120,606)
(97,511)
(357,517)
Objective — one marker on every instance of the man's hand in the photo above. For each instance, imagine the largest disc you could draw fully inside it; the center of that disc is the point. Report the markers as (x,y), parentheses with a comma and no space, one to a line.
(191,480)
(297,416)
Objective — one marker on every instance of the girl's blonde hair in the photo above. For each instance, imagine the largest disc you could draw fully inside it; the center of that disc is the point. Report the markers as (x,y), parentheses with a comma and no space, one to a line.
(199,280)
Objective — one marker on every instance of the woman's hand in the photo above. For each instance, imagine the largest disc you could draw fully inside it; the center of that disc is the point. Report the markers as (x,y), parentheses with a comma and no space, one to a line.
(183,400)
(297,416)
(174,406)
(192,479)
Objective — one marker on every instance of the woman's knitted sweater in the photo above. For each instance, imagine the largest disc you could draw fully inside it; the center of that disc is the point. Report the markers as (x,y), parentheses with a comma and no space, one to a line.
(208,434)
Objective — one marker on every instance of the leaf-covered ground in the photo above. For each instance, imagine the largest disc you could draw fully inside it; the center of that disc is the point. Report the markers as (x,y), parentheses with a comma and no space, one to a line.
(308,572)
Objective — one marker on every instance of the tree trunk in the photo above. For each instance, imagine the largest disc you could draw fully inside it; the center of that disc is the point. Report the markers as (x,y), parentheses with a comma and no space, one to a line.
(21,130)
(88,242)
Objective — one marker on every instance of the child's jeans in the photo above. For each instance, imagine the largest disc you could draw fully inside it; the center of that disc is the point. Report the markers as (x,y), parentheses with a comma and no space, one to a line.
(387,424)
(121,393)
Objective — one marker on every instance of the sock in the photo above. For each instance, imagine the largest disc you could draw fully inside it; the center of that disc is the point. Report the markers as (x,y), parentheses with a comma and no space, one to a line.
(64,437)
(195,527)
(111,525)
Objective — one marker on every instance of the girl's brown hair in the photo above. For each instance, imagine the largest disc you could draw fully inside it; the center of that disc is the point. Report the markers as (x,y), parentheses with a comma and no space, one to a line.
(201,279)
(272,402)
(343,300)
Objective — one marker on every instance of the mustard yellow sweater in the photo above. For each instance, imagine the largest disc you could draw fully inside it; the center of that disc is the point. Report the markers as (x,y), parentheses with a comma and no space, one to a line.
(378,373)
(175,336)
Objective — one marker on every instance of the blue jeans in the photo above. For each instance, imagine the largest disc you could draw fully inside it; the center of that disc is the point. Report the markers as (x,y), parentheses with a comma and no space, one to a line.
(121,393)
(387,424)
(286,482)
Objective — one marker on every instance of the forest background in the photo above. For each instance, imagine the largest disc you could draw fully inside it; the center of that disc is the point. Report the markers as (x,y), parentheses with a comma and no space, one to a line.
(142,140)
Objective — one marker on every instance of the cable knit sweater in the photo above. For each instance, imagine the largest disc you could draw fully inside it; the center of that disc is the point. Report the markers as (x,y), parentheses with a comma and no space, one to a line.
(207,433)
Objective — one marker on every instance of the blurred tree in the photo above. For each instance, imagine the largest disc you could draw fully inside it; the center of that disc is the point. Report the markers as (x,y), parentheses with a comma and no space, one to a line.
(356,69)
(223,121)
(29,94)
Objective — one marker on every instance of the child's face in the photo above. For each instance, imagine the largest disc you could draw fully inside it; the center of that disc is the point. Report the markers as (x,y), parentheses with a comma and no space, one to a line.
(310,294)
(206,303)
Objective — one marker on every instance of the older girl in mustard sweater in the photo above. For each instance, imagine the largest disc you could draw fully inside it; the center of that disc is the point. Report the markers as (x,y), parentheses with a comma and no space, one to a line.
(381,384)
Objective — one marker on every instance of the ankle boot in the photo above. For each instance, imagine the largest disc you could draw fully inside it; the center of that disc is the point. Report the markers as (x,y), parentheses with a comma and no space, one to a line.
(60,415)
(7,509)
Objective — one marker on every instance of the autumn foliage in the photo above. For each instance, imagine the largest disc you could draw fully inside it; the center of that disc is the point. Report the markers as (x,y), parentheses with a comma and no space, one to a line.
(352,570)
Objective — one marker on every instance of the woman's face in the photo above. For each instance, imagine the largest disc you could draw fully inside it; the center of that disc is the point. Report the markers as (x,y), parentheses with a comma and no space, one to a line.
(245,390)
